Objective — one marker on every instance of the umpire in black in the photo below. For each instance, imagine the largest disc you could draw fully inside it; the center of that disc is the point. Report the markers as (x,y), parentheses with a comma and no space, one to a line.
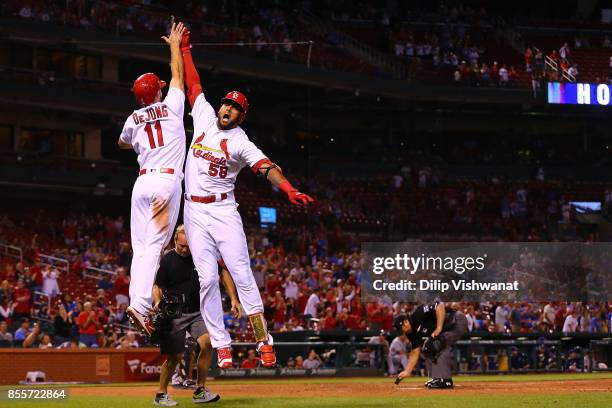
(432,330)
(177,277)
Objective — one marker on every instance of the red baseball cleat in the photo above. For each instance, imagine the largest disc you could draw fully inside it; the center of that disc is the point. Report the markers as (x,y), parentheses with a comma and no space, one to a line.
(224,357)
(140,321)
(267,354)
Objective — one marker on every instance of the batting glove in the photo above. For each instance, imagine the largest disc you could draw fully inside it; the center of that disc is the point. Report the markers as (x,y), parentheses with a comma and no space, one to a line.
(298,198)
(295,196)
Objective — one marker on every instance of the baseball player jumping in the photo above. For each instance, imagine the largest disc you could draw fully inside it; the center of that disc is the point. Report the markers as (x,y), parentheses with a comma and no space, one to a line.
(156,133)
(219,150)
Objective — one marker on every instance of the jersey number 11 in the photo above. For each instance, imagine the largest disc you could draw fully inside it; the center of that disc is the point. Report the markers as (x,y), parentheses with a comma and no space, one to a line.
(160,135)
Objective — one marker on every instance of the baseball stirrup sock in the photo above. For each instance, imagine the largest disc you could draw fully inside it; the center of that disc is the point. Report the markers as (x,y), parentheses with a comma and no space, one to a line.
(260,330)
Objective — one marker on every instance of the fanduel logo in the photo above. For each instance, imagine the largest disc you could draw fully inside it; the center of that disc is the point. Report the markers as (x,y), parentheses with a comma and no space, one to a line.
(133,364)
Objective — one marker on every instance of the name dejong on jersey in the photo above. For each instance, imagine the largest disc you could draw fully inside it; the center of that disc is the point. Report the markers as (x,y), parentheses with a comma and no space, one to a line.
(157,133)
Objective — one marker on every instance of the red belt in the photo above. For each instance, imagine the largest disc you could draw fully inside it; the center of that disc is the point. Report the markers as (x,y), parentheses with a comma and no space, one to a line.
(160,170)
(206,199)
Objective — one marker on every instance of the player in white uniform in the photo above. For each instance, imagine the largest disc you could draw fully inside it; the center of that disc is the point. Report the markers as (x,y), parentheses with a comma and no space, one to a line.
(157,134)
(219,150)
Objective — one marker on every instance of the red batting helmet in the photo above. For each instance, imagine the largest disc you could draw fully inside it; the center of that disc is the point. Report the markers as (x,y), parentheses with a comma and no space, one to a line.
(238,99)
(146,88)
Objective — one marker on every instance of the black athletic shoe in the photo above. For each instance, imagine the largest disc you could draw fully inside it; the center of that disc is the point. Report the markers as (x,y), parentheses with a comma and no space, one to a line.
(440,383)
(429,382)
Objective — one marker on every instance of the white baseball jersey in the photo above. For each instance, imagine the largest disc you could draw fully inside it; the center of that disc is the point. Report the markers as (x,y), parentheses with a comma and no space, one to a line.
(216,156)
(157,133)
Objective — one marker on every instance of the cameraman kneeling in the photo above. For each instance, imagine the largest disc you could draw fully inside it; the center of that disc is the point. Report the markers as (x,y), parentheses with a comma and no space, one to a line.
(177,289)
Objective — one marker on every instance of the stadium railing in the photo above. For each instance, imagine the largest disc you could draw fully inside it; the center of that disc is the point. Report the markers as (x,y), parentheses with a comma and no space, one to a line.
(53,261)
(97,273)
(11,251)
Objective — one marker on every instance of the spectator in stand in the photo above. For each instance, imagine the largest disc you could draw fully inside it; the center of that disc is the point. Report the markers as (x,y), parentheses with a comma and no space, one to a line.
(63,324)
(121,286)
(329,322)
(548,316)
(571,323)
(105,282)
(469,315)
(573,70)
(313,361)
(22,297)
(291,288)
(501,317)
(89,323)
(5,335)
(6,311)
(50,286)
(23,331)
(120,315)
(279,307)
(311,309)
(252,361)
(6,291)
(34,338)
(485,75)
(46,342)
(504,76)
(564,52)
(299,362)
(528,59)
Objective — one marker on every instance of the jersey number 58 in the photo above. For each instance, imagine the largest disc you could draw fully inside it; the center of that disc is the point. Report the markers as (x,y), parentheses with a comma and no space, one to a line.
(215,169)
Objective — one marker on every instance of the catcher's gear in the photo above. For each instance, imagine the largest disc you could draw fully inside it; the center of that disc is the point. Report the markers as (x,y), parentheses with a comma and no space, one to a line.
(146,87)
(237,99)
(432,347)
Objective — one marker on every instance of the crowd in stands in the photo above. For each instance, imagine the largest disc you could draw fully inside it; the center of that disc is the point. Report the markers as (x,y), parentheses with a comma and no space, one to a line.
(248,31)
(309,277)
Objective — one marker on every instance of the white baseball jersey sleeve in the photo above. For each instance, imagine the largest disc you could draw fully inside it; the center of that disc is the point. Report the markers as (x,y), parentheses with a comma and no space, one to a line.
(216,156)
(157,133)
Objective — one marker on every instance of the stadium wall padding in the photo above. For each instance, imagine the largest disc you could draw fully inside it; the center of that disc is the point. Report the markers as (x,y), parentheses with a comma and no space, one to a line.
(83,365)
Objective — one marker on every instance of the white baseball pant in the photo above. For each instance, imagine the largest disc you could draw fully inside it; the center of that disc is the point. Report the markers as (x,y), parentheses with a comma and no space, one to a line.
(218,227)
(156,202)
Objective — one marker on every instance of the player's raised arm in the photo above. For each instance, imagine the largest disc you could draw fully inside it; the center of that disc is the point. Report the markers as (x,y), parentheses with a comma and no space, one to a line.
(176,60)
(194,87)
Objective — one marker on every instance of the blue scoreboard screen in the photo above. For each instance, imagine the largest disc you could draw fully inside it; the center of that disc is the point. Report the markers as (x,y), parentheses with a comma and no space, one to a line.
(578,94)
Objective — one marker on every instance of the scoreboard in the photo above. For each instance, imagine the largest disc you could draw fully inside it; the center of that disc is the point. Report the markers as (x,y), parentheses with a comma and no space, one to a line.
(578,93)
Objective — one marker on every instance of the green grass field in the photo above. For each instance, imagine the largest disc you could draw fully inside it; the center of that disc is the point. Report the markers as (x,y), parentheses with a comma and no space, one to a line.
(583,390)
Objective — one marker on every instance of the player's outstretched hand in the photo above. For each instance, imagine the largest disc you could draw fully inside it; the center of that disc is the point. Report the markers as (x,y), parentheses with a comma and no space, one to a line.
(300,199)
(176,34)
(185,43)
